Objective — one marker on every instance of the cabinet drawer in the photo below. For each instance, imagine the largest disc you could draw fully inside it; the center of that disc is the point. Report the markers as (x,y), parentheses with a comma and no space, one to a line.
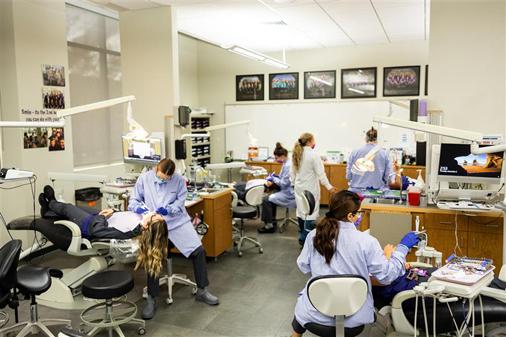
(486,224)
(446,221)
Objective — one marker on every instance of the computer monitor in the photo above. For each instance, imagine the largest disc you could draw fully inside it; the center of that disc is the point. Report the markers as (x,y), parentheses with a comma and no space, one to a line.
(146,152)
(458,164)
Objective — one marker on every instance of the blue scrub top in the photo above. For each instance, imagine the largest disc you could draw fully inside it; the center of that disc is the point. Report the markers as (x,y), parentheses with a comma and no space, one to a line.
(377,180)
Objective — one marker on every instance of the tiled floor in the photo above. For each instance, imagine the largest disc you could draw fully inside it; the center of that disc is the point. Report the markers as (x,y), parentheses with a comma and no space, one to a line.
(257,294)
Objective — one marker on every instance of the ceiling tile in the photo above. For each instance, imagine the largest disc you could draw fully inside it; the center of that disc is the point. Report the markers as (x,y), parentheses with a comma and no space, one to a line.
(358,19)
(403,20)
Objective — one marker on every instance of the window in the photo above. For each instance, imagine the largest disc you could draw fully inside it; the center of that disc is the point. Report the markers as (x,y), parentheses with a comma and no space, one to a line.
(95,75)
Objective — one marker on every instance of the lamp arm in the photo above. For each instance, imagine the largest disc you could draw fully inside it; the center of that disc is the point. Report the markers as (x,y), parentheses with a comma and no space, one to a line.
(476,149)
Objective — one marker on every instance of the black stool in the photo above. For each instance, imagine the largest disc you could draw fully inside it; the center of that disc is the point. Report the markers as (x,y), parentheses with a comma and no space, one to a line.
(31,282)
(106,286)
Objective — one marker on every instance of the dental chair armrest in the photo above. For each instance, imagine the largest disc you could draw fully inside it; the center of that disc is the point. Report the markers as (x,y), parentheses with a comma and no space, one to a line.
(77,240)
(497,294)
(416,264)
(401,297)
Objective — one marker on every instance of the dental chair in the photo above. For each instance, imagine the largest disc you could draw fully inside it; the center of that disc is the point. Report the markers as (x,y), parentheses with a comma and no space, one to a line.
(401,313)
(65,235)
(336,296)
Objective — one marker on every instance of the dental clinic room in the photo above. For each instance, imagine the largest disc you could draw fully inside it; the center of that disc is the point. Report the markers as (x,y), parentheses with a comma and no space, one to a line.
(256,168)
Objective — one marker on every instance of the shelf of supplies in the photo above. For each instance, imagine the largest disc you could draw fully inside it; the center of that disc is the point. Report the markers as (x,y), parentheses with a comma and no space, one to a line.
(200,144)
(201,157)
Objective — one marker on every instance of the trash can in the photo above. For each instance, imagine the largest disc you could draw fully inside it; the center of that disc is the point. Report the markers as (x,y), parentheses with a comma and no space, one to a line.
(89,197)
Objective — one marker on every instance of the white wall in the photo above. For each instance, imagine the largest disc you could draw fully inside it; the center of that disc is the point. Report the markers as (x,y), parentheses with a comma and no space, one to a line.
(188,71)
(32,34)
(217,69)
(467,63)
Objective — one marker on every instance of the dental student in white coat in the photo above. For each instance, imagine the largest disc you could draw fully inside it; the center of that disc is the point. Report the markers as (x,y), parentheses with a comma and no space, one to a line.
(307,173)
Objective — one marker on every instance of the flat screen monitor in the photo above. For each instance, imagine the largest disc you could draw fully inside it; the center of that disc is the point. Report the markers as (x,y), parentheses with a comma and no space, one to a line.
(458,164)
(146,152)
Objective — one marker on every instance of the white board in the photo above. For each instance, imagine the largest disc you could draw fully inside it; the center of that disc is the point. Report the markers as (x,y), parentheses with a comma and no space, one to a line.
(337,126)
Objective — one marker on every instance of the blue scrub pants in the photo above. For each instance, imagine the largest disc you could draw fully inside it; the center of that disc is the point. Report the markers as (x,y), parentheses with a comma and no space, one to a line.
(305,226)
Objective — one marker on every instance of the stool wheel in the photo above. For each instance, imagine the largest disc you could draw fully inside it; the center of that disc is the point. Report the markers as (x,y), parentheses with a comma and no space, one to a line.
(239,254)
(169,300)
(261,250)
(194,291)
(141,331)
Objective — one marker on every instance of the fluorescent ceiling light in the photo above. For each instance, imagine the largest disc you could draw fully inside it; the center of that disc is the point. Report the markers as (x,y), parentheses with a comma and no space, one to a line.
(314,78)
(258,57)
(356,90)
(275,63)
(247,53)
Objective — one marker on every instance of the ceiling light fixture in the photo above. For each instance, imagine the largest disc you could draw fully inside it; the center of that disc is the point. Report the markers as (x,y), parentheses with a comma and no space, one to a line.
(258,57)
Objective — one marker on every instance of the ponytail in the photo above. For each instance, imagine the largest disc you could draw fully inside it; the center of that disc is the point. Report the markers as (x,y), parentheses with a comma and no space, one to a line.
(327,230)
(298,149)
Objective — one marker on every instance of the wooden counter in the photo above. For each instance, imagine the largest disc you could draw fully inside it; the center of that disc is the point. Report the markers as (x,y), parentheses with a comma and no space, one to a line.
(480,234)
(218,215)
(336,174)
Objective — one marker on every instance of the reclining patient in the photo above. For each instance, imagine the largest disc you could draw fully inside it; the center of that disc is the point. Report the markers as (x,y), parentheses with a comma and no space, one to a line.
(94,224)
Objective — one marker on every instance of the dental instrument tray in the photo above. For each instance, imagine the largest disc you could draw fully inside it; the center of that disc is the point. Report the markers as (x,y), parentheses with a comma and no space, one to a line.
(464,270)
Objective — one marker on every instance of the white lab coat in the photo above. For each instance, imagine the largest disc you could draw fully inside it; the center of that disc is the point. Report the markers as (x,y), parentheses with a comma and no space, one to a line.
(311,173)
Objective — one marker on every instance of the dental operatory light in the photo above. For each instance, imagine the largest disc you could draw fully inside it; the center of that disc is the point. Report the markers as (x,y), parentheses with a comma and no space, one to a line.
(365,164)
(136,130)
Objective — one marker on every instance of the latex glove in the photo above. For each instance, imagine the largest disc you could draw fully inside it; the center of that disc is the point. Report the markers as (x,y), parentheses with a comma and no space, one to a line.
(410,240)
(141,210)
(270,178)
(162,211)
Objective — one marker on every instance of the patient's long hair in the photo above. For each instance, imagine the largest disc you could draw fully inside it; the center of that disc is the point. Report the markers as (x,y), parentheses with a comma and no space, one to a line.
(327,229)
(153,247)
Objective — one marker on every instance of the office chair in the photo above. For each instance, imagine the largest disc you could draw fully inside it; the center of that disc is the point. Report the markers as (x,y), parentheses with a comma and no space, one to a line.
(336,296)
(253,199)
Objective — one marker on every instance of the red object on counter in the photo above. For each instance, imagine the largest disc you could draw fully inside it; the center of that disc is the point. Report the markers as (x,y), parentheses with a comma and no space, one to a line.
(414,198)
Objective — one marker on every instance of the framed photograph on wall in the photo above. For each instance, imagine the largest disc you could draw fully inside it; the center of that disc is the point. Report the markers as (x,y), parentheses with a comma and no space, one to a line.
(284,86)
(358,83)
(249,87)
(320,84)
(401,81)
(53,75)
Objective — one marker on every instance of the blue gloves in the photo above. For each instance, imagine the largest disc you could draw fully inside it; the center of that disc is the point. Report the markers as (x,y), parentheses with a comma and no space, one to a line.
(410,240)
(271,177)
(141,210)
(162,211)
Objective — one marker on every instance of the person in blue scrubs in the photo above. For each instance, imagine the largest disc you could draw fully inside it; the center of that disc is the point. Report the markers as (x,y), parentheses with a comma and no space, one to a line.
(337,247)
(377,179)
(163,191)
(284,197)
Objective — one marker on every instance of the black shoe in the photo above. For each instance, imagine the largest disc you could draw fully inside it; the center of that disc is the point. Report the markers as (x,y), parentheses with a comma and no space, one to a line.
(265,230)
(49,193)
(44,205)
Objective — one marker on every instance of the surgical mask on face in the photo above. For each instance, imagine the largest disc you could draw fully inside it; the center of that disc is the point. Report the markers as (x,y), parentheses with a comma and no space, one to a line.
(358,221)
(160,180)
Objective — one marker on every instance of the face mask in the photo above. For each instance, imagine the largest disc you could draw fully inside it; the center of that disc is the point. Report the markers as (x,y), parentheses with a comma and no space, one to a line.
(358,221)
(160,180)
(280,161)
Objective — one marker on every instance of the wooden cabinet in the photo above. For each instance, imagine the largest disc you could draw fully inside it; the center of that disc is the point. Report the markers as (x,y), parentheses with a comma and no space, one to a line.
(478,234)
(412,171)
(337,177)
(485,237)
(218,215)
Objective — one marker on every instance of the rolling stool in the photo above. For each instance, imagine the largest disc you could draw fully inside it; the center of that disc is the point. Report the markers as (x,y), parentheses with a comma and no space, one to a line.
(106,286)
(286,221)
(172,279)
(253,199)
(31,282)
